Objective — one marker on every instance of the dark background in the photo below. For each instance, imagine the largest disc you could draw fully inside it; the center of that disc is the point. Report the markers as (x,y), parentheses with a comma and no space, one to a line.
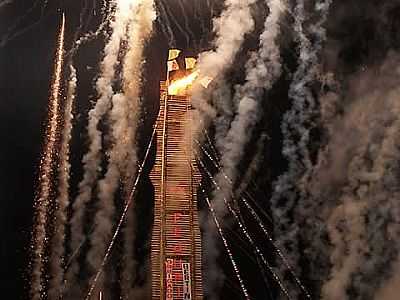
(360,33)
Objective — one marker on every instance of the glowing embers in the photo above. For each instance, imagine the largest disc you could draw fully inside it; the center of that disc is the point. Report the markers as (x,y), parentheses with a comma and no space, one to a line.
(180,87)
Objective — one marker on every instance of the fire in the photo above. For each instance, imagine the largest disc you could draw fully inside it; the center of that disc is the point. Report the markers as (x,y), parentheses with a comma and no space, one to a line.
(180,86)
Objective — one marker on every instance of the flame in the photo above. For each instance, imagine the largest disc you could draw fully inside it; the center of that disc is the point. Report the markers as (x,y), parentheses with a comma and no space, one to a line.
(180,86)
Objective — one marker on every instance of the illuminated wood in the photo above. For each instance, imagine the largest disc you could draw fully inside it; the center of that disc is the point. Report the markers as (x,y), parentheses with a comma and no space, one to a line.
(176,233)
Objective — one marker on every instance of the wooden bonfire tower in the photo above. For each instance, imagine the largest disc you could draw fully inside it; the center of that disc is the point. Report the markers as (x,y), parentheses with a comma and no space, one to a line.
(176,242)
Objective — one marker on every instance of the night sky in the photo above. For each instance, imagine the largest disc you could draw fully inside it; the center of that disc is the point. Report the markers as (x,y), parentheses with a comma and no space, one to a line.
(360,35)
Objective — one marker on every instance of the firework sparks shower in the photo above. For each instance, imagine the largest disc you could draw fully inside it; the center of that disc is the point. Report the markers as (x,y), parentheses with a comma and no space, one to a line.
(208,149)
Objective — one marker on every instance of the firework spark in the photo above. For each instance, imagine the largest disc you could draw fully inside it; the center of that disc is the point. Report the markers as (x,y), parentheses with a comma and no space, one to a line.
(46,174)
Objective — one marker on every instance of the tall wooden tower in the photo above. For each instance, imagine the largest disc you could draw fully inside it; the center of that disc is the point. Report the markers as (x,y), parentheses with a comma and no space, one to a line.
(176,243)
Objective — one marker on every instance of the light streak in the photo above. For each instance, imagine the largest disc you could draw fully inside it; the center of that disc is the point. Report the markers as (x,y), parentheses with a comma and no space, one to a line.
(260,223)
(217,165)
(166,25)
(225,242)
(186,20)
(42,202)
(12,31)
(242,226)
(168,12)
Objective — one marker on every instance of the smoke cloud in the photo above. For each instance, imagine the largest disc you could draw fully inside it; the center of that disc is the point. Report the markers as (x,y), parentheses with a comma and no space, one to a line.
(363,220)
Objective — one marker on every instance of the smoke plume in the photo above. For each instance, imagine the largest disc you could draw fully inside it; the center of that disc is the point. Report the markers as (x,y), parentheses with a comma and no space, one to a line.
(230,28)
(262,70)
(122,154)
(92,159)
(296,127)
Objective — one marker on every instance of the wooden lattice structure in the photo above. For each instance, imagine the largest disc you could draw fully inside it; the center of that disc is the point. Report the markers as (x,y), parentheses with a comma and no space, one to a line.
(176,243)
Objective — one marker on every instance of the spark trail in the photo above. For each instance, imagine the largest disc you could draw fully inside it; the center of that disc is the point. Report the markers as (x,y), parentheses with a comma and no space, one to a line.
(165,24)
(226,245)
(140,32)
(91,160)
(46,174)
(57,255)
(244,230)
(263,228)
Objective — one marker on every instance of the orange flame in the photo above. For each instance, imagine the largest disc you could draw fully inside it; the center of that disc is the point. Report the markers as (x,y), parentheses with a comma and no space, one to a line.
(180,86)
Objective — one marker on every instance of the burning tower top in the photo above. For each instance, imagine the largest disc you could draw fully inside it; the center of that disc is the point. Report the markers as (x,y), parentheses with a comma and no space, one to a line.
(176,241)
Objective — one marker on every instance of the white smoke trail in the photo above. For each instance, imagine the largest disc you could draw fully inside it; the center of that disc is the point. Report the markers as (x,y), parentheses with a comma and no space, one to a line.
(46,174)
(262,70)
(169,14)
(223,102)
(106,11)
(296,127)
(348,246)
(230,29)
(141,31)
(253,167)
(91,160)
(123,122)
(123,216)
(200,14)
(13,32)
(57,248)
